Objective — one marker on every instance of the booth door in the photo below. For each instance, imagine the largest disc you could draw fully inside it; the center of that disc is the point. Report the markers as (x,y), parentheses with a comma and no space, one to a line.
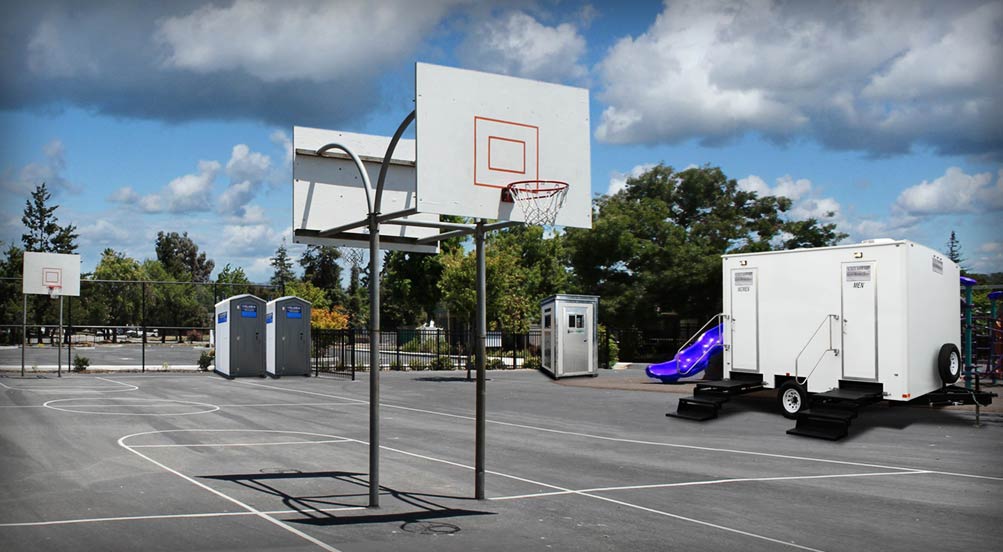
(860,321)
(577,340)
(744,320)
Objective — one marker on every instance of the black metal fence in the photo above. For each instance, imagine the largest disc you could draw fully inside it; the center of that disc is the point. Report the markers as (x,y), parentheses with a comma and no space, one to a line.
(347,351)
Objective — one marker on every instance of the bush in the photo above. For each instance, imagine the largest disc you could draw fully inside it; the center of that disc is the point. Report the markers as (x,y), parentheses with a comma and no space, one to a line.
(495,364)
(441,362)
(425,344)
(396,366)
(533,363)
(416,364)
(80,363)
(206,359)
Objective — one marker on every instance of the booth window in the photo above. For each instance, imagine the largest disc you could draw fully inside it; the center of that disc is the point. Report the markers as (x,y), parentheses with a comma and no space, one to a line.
(546,321)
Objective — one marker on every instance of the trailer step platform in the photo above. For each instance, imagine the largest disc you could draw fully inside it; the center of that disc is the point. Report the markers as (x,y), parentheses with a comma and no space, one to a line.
(698,409)
(956,395)
(824,423)
(709,396)
(832,411)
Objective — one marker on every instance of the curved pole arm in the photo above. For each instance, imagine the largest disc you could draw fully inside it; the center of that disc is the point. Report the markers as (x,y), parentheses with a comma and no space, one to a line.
(386,158)
(358,165)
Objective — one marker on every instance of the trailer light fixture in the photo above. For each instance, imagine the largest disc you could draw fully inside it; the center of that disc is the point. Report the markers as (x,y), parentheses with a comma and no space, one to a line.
(858,254)
(906,395)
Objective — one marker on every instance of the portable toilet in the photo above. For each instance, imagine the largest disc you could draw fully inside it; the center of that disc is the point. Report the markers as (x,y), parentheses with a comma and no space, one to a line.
(287,337)
(240,336)
(569,341)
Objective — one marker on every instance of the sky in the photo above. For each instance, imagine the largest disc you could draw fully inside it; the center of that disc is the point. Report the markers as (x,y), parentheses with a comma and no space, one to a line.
(144,116)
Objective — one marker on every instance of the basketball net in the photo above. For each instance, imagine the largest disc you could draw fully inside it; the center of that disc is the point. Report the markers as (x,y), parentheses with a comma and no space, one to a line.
(539,200)
(54,290)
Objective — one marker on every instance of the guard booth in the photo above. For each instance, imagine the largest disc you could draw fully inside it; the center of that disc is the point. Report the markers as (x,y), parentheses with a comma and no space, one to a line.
(569,342)
(287,337)
(240,336)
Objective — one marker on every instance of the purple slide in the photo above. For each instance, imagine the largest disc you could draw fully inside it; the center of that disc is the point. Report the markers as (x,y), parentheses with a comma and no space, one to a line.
(691,360)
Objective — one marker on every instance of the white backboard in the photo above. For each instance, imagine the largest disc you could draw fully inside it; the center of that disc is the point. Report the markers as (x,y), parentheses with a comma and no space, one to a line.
(478,132)
(329,192)
(56,269)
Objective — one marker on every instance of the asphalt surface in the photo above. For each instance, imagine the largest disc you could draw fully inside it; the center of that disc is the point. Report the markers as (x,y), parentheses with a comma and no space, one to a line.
(122,354)
(196,462)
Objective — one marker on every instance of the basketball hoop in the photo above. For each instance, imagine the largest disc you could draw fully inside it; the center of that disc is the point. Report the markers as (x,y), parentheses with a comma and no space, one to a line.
(539,200)
(54,290)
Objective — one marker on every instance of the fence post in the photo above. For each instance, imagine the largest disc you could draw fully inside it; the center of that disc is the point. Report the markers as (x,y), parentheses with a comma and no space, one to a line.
(352,337)
(397,346)
(142,321)
(515,339)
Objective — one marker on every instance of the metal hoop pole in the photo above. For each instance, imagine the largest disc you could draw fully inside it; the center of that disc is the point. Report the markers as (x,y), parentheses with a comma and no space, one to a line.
(386,158)
(481,351)
(374,361)
(358,165)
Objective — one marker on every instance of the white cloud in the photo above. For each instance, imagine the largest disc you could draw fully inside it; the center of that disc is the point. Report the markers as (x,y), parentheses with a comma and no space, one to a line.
(517,44)
(245,164)
(955,192)
(804,201)
(315,40)
(106,233)
(618,181)
(877,77)
(285,143)
(187,193)
(48,171)
(249,241)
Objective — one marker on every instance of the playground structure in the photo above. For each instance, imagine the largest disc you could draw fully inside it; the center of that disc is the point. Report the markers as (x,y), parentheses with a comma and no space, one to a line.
(982,343)
(692,358)
(834,329)
(479,137)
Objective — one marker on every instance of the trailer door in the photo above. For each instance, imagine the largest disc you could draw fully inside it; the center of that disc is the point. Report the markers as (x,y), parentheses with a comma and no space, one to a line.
(744,320)
(860,321)
(577,343)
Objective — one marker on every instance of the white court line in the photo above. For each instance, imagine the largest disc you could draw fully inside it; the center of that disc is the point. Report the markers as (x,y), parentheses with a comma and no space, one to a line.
(172,516)
(187,445)
(642,442)
(707,482)
(583,493)
(249,508)
(343,403)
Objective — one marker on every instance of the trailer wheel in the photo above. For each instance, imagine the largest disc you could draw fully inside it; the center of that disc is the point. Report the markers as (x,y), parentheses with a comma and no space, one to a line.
(792,399)
(949,363)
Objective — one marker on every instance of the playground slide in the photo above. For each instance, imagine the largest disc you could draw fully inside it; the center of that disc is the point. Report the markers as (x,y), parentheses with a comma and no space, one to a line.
(690,361)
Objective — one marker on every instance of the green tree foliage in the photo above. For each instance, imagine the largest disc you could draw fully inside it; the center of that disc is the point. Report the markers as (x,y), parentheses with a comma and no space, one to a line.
(309,292)
(283,267)
(44,234)
(409,288)
(954,251)
(357,300)
(232,281)
(181,258)
(655,246)
(11,265)
(458,284)
(118,301)
(321,268)
(174,303)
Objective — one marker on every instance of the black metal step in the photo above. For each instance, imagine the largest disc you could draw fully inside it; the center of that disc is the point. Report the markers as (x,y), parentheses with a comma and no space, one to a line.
(698,408)
(854,395)
(726,387)
(823,423)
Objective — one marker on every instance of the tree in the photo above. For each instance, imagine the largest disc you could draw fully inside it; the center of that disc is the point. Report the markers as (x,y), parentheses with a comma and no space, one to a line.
(283,266)
(10,290)
(232,281)
(180,257)
(118,301)
(321,268)
(458,284)
(358,299)
(45,235)
(954,251)
(309,292)
(655,246)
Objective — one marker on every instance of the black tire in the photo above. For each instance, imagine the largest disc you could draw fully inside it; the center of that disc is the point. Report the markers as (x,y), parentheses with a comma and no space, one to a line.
(792,398)
(949,363)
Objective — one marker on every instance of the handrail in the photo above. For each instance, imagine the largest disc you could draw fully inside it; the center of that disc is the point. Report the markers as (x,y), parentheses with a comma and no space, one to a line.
(700,332)
(828,319)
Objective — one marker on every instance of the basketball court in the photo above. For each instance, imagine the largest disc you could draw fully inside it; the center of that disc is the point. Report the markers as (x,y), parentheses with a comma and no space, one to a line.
(170,462)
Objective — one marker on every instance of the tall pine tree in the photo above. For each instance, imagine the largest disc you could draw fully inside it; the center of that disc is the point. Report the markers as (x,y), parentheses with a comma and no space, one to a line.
(283,266)
(45,235)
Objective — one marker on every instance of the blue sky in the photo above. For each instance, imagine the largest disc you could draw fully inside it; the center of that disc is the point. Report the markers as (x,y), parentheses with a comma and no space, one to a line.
(146,116)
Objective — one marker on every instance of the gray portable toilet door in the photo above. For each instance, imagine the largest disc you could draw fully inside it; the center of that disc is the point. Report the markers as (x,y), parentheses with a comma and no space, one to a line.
(247,343)
(577,338)
(548,339)
(860,321)
(745,320)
